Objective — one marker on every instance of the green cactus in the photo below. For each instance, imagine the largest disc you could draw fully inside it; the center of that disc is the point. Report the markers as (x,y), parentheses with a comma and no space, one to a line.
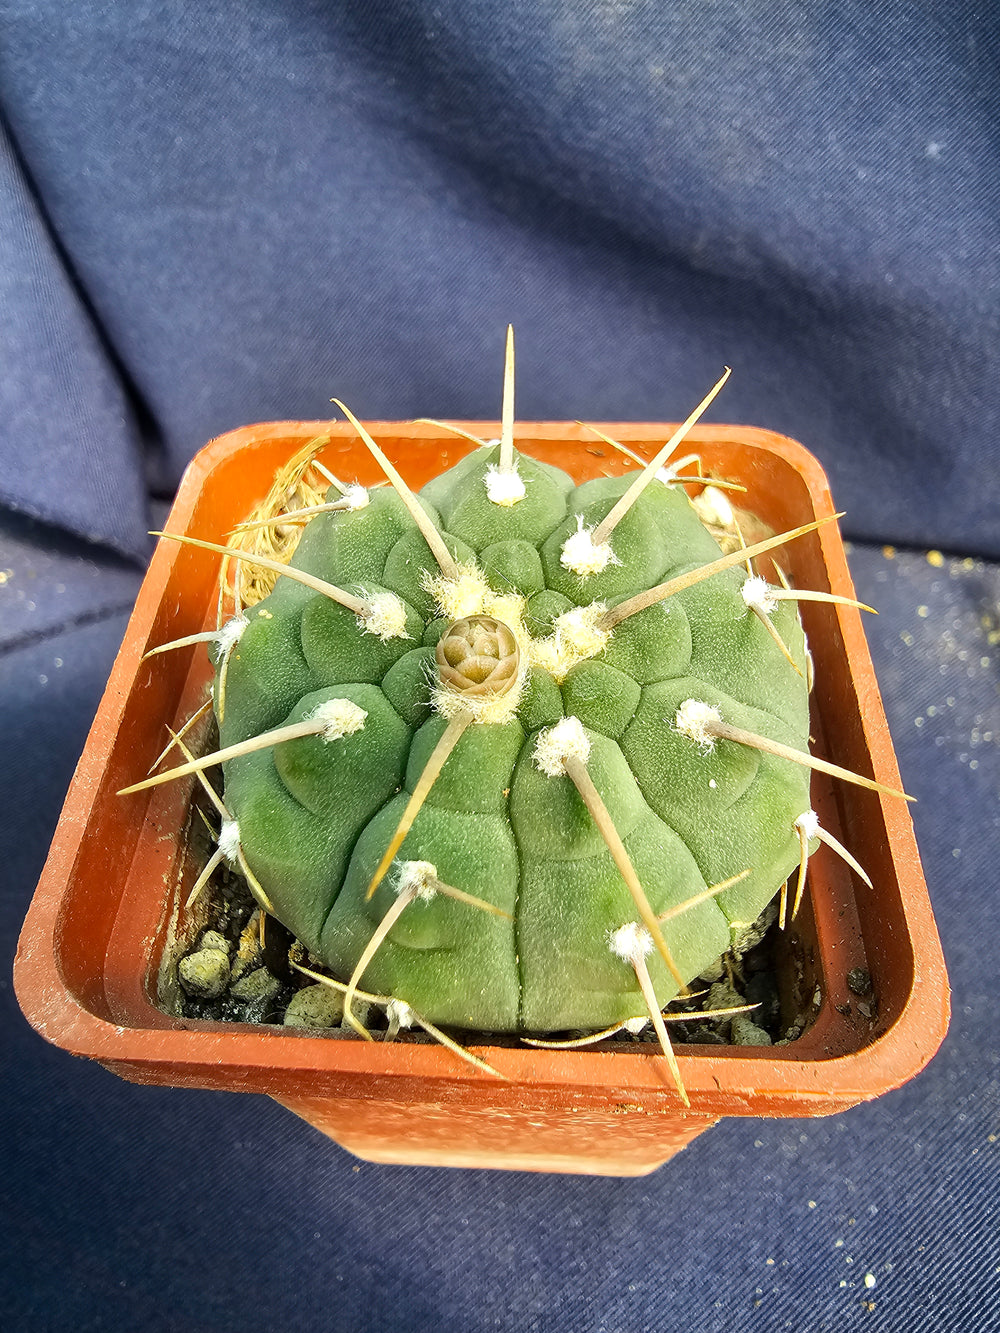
(517,755)
(315,815)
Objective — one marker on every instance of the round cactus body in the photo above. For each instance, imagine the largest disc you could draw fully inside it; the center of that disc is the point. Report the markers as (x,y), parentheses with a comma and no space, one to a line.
(504,668)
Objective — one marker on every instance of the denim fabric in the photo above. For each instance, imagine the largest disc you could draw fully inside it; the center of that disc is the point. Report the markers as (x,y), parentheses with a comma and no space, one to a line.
(242,210)
(70,452)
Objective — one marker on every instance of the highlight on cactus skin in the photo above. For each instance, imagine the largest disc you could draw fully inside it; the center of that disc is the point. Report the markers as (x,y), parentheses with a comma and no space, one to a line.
(515,755)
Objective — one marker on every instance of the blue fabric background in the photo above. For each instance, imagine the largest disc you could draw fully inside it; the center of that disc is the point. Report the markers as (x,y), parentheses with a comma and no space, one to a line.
(230,213)
(213,214)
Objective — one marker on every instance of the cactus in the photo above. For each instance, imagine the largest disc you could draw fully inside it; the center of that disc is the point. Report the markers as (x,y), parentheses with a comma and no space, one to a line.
(516,755)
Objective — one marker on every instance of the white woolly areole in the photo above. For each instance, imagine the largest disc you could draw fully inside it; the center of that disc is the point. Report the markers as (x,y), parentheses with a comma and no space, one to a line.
(565,740)
(483,707)
(503,488)
(582,556)
(808,823)
(635,1025)
(578,630)
(630,941)
(229,839)
(714,507)
(545,655)
(340,718)
(508,607)
(230,634)
(400,1013)
(459,597)
(576,636)
(384,616)
(415,877)
(756,592)
(695,721)
(355,497)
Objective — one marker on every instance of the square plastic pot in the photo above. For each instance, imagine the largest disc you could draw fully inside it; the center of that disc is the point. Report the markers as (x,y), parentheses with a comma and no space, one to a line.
(107,910)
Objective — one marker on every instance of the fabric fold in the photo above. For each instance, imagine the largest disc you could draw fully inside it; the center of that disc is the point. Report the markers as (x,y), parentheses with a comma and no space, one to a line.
(70,452)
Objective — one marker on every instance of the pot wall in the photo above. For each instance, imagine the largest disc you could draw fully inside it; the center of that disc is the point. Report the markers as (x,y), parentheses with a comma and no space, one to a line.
(107,905)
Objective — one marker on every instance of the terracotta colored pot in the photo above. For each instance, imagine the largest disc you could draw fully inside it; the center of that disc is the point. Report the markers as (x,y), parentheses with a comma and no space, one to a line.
(107,905)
